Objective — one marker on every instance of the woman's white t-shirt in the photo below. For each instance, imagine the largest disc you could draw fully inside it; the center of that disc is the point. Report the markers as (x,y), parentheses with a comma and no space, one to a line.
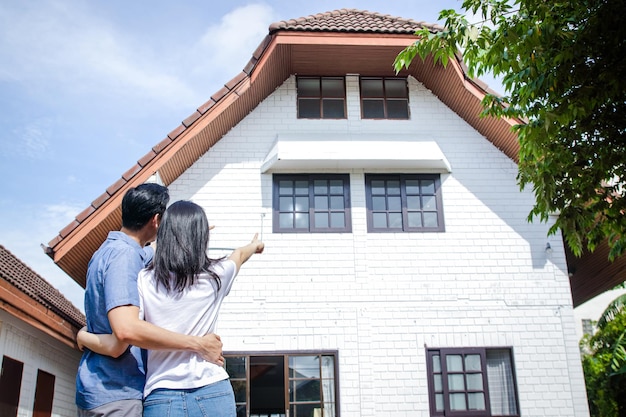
(192,312)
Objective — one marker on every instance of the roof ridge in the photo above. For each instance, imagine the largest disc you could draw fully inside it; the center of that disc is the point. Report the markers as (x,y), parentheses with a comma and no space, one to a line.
(352,20)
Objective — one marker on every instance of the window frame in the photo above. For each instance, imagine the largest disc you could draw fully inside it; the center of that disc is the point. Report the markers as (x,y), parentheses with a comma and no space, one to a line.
(402,178)
(236,379)
(482,351)
(321,97)
(312,228)
(385,98)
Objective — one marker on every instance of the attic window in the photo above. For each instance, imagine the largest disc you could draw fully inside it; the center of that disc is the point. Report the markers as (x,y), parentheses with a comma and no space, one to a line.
(321,97)
(384,98)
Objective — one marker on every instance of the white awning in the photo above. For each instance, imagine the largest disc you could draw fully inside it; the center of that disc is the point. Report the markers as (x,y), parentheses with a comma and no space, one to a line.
(308,155)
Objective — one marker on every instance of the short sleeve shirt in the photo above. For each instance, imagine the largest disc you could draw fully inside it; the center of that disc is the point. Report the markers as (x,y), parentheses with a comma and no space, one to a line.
(111,282)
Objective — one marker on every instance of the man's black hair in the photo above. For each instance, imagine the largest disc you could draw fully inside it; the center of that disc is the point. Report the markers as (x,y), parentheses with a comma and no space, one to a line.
(141,203)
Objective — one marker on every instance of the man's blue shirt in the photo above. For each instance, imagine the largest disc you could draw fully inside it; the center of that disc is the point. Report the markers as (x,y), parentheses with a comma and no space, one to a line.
(111,282)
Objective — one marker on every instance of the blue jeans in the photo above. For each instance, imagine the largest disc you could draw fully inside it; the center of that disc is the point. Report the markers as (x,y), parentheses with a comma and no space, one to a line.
(214,400)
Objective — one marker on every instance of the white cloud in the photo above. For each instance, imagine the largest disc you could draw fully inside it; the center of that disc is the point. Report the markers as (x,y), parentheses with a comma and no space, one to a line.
(59,48)
(225,49)
(22,231)
(31,141)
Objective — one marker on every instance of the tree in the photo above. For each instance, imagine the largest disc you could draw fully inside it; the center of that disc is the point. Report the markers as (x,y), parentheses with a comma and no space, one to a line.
(563,65)
(604,362)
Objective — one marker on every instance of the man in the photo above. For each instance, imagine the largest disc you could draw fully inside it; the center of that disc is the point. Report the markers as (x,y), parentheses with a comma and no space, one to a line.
(113,386)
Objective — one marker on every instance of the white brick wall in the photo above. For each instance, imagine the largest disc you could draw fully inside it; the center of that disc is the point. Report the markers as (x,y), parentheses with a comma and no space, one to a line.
(380,299)
(36,350)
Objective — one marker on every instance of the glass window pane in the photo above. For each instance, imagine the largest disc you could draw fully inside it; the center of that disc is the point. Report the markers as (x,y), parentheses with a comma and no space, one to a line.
(428,187)
(309,108)
(307,390)
(336,203)
(239,387)
(472,363)
(321,203)
(320,187)
(302,187)
(474,382)
(395,220)
(337,220)
(321,220)
(415,219)
(336,186)
(285,220)
(476,401)
(373,109)
(396,88)
(412,186)
(501,383)
(457,402)
(302,204)
(378,187)
(303,410)
(456,382)
(395,203)
(371,88)
(393,187)
(285,204)
(436,363)
(430,203)
(285,187)
(302,220)
(328,367)
(439,402)
(413,203)
(397,109)
(333,87)
(379,220)
(454,363)
(379,203)
(236,366)
(304,366)
(308,87)
(333,108)
(430,220)
(438,382)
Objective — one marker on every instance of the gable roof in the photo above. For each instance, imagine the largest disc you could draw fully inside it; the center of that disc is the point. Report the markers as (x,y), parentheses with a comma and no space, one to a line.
(27,296)
(338,42)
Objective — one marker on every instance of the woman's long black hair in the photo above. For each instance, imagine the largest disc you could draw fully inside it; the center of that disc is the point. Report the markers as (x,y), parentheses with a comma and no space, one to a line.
(181,249)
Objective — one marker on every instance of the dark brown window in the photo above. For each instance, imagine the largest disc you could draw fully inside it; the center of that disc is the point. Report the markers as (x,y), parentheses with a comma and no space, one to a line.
(10,386)
(471,382)
(404,203)
(44,394)
(384,98)
(312,203)
(294,384)
(321,97)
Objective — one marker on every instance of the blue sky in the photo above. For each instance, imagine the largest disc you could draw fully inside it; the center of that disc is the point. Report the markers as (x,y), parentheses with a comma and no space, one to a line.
(88,87)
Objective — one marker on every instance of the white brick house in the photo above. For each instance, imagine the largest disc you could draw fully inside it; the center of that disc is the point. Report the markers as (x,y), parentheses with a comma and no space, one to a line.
(400,276)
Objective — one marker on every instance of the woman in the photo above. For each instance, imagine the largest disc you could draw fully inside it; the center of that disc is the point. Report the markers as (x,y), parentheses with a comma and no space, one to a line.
(182,290)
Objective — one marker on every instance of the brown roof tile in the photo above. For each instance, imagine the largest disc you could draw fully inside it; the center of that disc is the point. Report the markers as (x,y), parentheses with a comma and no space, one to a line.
(161,145)
(176,132)
(351,20)
(189,120)
(30,283)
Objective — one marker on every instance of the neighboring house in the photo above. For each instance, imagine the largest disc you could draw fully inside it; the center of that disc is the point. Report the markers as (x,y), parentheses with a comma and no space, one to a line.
(400,275)
(38,352)
(588,313)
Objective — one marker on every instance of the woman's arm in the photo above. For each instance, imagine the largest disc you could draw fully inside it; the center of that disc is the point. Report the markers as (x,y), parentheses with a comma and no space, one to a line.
(242,254)
(104,344)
